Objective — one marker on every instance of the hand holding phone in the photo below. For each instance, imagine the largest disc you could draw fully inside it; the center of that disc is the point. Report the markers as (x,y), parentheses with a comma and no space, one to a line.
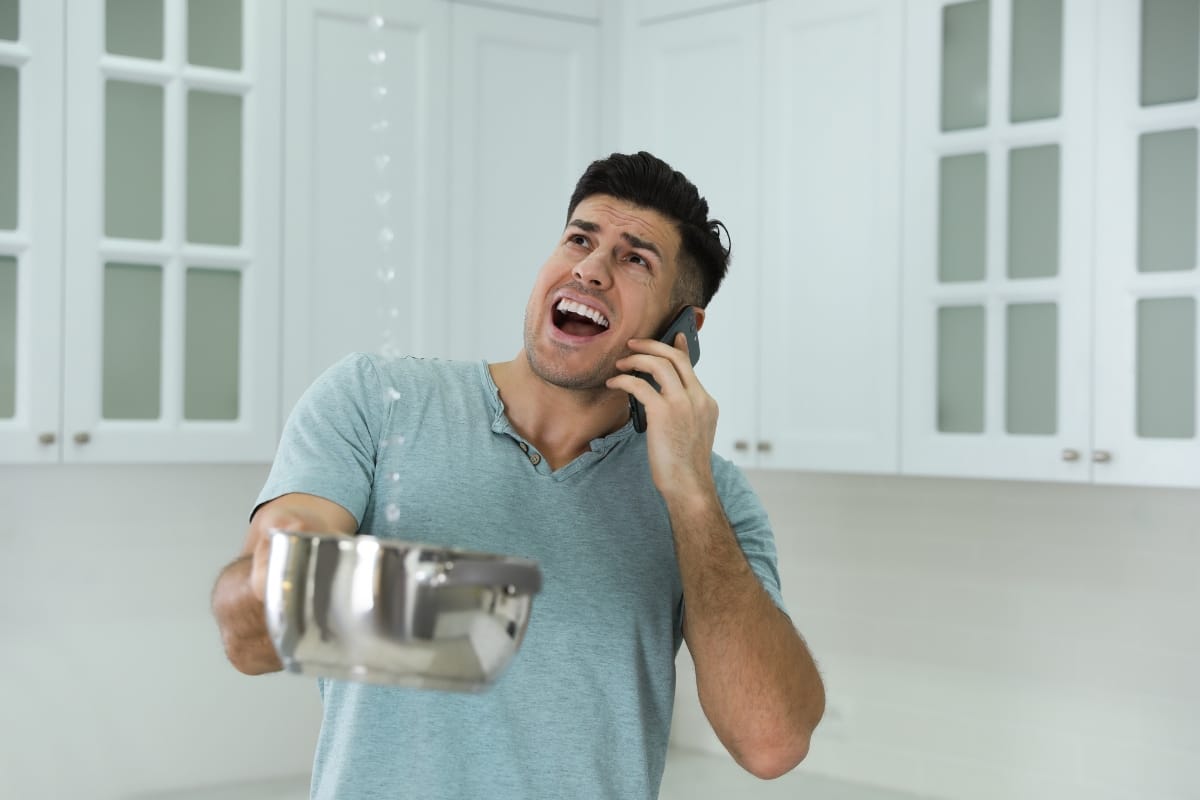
(685,323)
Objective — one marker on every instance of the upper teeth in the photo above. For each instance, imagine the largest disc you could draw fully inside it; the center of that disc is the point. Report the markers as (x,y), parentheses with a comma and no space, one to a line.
(583,311)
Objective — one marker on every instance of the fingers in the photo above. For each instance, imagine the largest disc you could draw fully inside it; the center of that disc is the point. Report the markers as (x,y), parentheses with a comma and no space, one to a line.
(669,366)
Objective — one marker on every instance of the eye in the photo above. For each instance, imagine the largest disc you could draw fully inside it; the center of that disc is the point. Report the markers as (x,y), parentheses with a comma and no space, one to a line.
(636,259)
(578,239)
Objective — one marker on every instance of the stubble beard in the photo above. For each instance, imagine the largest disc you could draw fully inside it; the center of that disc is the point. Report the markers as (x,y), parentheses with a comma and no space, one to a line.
(551,371)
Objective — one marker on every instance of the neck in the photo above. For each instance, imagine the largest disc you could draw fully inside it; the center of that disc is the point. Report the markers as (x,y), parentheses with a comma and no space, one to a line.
(559,422)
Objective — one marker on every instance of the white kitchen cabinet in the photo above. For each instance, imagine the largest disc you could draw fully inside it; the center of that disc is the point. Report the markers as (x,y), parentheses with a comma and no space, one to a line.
(167,275)
(588,10)
(831,269)
(1147,284)
(800,346)
(1045,336)
(31,233)
(666,10)
(695,101)
(525,123)
(482,121)
(366,207)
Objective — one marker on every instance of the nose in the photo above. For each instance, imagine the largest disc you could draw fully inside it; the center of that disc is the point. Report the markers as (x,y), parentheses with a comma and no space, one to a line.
(594,270)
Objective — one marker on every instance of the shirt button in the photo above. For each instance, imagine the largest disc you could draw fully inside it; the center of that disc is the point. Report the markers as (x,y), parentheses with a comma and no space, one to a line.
(524,447)
(535,459)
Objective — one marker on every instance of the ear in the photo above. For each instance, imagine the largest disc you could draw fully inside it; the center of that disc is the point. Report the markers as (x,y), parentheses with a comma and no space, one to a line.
(699,316)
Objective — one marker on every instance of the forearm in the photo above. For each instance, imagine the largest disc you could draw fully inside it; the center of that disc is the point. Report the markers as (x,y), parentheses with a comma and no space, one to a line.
(243,624)
(757,682)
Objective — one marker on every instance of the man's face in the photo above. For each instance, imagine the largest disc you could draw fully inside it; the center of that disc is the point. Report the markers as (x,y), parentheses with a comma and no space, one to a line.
(608,280)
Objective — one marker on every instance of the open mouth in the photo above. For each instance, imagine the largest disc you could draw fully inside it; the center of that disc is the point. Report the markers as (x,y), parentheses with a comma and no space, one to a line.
(576,319)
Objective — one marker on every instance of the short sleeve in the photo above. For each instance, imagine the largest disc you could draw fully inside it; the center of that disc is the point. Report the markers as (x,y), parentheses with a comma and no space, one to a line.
(330,439)
(749,521)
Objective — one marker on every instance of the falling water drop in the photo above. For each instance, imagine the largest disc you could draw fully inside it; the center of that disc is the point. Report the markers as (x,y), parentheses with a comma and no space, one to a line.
(392,394)
(375,22)
(383,197)
(380,126)
(386,236)
(393,512)
(386,274)
(377,56)
(395,476)
(381,161)
(379,91)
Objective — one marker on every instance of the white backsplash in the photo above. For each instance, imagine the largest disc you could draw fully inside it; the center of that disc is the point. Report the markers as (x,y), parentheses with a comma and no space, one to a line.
(980,640)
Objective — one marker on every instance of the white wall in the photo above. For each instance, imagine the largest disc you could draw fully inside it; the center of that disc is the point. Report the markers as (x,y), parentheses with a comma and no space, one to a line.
(978,639)
(986,639)
(112,675)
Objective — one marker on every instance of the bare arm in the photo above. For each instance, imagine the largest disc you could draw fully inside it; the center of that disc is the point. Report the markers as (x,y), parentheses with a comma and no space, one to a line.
(757,682)
(237,597)
(756,679)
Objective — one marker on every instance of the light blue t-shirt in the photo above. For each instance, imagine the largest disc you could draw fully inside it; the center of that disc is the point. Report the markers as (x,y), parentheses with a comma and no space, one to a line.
(584,709)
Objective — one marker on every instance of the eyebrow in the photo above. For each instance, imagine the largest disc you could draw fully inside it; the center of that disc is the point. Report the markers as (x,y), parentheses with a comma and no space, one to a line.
(592,227)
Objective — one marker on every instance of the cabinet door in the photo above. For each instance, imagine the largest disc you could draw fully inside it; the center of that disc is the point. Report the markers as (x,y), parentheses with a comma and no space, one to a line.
(173,171)
(695,101)
(1147,282)
(525,126)
(998,233)
(831,242)
(31,53)
(366,202)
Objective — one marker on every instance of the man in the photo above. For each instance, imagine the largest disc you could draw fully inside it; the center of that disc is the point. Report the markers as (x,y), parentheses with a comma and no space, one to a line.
(643,539)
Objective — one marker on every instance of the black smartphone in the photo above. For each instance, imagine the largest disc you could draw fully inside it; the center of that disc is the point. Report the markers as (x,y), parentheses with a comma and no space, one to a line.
(685,323)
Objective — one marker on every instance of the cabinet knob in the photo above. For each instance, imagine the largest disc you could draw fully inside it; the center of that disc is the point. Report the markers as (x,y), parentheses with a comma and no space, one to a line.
(764,447)
(83,437)
(47,438)
(1070,455)
(1101,456)
(741,445)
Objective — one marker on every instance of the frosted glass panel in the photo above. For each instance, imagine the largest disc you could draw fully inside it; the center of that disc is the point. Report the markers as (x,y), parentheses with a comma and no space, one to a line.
(960,378)
(8,337)
(1166,368)
(214,168)
(132,366)
(1170,50)
(962,218)
(1037,45)
(134,28)
(1031,375)
(1167,201)
(210,382)
(215,33)
(10,126)
(10,20)
(1033,212)
(133,160)
(965,65)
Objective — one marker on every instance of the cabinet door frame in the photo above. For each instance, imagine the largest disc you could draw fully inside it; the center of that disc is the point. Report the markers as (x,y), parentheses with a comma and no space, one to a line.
(1119,286)
(812,415)
(171,438)
(716,140)
(995,453)
(502,234)
(37,242)
(419,281)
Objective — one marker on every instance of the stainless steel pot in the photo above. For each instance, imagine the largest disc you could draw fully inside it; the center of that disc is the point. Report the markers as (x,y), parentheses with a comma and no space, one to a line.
(386,611)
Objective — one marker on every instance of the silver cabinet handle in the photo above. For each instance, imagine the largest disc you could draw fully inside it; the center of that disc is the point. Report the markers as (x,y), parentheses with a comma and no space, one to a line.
(83,437)
(1101,456)
(1070,455)
(764,447)
(47,438)
(741,445)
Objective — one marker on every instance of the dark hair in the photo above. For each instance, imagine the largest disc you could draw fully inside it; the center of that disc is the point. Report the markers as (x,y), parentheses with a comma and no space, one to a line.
(647,181)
